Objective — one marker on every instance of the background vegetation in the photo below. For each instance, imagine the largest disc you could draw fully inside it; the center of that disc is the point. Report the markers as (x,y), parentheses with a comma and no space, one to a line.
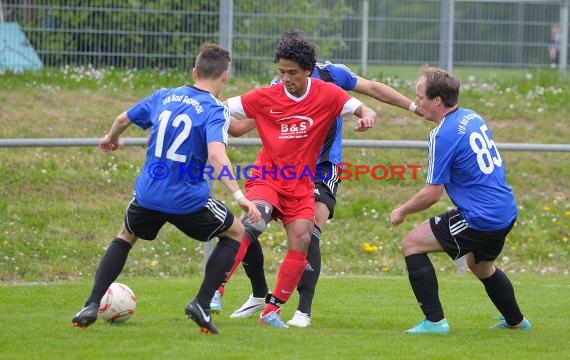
(162,34)
(60,207)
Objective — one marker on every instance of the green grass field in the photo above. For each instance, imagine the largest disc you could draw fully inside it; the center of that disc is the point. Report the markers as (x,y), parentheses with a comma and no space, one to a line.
(353,318)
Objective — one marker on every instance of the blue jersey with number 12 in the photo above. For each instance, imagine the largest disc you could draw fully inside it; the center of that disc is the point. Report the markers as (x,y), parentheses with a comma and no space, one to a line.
(183,121)
(463,156)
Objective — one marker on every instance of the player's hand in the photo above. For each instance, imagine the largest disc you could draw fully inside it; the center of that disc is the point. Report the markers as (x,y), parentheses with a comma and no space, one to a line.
(364,123)
(107,145)
(397,217)
(252,212)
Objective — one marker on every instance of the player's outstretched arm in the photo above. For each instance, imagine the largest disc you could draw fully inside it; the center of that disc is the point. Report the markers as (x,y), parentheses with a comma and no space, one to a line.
(385,94)
(110,142)
(218,158)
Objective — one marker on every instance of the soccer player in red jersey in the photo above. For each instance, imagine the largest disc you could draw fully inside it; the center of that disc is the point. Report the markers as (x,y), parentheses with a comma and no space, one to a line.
(293,118)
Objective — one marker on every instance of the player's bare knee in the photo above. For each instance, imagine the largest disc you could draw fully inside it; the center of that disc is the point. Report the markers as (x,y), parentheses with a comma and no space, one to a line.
(235,231)
(127,236)
(303,240)
(409,246)
(482,270)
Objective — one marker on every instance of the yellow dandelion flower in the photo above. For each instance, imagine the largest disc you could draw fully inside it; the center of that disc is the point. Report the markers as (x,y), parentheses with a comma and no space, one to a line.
(367,247)
(546,209)
(567,213)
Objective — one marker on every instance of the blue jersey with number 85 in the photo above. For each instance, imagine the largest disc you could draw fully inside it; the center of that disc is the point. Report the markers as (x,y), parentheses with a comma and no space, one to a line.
(464,157)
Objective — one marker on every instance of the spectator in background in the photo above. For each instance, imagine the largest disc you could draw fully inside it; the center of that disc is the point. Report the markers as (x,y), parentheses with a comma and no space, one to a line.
(554,45)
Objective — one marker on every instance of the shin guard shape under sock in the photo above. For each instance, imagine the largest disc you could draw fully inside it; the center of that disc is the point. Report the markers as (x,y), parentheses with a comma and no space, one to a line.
(424,284)
(502,294)
(253,266)
(245,242)
(289,274)
(310,277)
(217,267)
(110,267)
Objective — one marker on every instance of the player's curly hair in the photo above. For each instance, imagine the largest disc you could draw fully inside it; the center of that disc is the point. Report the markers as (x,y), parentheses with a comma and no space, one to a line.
(296,49)
(295,33)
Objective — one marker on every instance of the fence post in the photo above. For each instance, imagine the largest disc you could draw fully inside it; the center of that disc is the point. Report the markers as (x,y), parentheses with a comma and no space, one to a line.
(364,41)
(446,35)
(563,61)
(461,265)
(227,24)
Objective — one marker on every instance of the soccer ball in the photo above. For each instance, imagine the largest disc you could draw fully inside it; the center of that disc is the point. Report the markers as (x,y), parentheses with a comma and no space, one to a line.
(118,303)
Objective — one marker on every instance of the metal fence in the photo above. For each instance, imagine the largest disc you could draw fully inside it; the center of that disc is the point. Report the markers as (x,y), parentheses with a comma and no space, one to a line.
(166,34)
(379,144)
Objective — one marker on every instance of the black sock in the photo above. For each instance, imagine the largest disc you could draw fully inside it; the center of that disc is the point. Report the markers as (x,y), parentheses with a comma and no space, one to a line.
(502,294)
(424,284)
(253,266)
(110,267)
(308,282)
(219,263)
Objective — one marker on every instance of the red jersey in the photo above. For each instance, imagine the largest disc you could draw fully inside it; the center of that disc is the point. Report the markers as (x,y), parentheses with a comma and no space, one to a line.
(292,131)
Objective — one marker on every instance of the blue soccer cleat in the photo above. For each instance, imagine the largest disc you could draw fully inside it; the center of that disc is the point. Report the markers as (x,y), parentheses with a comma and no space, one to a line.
(523,325)
(428,327)
(273,319)
(216,303)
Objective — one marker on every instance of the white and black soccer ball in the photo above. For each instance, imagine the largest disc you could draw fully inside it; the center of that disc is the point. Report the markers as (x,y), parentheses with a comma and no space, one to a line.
(118,304)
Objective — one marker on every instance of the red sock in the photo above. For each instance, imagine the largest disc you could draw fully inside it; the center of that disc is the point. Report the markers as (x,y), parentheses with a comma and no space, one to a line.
(289,275)
(245,242)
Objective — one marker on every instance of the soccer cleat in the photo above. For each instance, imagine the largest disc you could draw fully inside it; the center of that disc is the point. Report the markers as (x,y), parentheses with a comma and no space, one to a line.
(273,319)
(86,316)
(201,316)
(523,325)
(216,303)
(250,307)
(300,320)
(428,327)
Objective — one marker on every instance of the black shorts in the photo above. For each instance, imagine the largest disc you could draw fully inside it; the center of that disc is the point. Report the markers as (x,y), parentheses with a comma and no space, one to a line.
(457,238)
(202,225)
(326,185)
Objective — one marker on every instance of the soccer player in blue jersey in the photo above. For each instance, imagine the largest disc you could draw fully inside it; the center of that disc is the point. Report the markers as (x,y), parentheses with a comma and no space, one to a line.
(188,129)
(326,185)
(463,160)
